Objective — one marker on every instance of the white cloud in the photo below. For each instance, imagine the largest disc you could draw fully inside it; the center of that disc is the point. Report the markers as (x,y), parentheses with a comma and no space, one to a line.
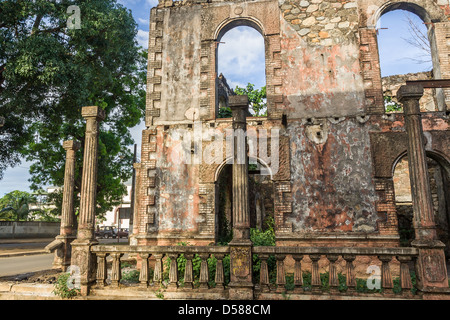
(142,38)
(241,58)
(143,21)
(16,179)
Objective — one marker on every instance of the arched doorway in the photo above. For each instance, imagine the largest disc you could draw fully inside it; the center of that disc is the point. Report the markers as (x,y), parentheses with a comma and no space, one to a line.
(261,199)
(439,180)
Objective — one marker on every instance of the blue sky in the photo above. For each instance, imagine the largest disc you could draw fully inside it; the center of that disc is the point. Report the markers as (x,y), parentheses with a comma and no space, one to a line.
(241,60)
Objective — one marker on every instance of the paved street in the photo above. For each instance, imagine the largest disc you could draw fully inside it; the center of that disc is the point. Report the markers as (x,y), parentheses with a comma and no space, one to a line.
(30,255)
(17,265)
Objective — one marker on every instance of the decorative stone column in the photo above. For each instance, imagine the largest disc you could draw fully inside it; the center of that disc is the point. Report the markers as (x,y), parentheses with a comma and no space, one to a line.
(62,243)
(241,285)
(82,256)
(430,265)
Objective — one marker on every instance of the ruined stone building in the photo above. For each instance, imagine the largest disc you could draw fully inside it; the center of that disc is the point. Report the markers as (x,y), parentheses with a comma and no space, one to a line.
(327,163)
(337,147)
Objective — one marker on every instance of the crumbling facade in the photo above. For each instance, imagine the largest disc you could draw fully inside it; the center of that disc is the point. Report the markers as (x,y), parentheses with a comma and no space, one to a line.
(325,157)
(337,147)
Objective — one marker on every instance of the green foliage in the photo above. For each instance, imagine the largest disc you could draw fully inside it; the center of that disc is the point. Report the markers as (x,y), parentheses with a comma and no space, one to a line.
(62,290)
(15,206)
(224,112)
(130,276)
(264,237)
(256,97)
(48,72)
(196,266)
(391,106)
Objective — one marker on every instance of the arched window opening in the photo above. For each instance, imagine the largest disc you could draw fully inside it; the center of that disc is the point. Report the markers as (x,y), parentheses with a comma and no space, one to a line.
(439,180)
(406,53)
(241,68)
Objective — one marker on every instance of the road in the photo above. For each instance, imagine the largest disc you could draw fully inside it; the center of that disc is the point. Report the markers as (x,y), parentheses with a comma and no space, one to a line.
(17,265)
(31,263)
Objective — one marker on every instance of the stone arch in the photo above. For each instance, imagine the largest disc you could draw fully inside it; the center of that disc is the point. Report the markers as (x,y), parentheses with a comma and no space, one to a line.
(429,13)
(229,160)
(224,16)
(439,181)
(437,156)
(227,25)
(231,23)
(432,13)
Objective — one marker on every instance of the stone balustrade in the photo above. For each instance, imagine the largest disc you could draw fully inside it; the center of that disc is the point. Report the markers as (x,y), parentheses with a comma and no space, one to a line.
(163,261)
(403,256)
(156,255)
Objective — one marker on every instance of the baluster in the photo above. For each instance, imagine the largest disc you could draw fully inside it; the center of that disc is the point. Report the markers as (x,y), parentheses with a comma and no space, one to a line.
(219,279)
(281,277)
(315,275)
(188,271)
(298,276)
(143,275)
(386,278)
(101,269)
(405,276)
(173,271)
(204,272)
(350,280)
(334,280)
(157,274)
(116,273)
(264,273)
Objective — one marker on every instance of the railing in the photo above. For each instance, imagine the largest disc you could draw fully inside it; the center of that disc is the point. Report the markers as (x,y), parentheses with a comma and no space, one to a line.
(158,254)
(164,259)
(404,256)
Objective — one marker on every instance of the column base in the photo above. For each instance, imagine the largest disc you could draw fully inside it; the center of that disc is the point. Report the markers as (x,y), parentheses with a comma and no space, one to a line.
(240,291)
(431,266)
(84,263)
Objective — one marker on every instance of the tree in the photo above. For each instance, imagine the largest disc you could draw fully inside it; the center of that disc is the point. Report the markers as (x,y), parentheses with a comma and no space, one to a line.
(256,98)
(48,72)
(15,206)
(418,39)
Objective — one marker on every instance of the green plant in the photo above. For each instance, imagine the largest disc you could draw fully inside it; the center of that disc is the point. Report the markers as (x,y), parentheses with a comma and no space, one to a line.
(131,276)
(391,106)
(196,266)
(62,290)
(224,112)
(127,264)
(159,294)
(264,237)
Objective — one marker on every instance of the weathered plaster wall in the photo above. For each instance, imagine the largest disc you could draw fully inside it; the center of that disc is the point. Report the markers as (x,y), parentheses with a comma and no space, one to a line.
(337,147)
(332,185)
(180,83)
(320,60)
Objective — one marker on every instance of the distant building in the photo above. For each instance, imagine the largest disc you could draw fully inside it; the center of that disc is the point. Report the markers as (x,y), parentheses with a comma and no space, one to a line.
(112,217)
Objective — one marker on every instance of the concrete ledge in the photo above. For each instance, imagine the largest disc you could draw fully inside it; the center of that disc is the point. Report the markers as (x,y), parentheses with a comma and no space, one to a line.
(22,253)
(26,291)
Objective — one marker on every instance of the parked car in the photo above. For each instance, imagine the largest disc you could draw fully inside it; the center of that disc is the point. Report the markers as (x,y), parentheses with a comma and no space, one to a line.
(105,232)
(122,233)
